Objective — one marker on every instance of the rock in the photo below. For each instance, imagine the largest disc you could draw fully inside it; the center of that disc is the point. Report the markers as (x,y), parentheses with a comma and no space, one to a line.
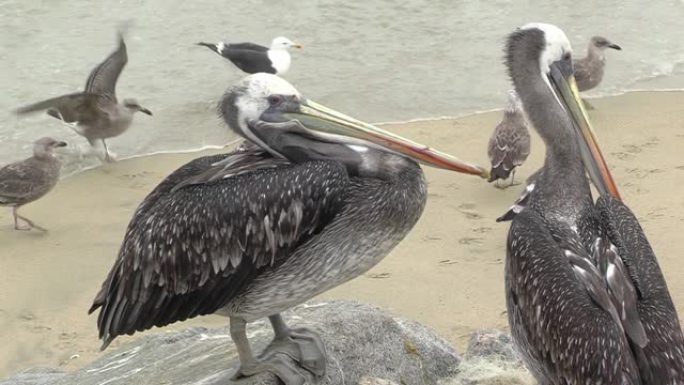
(35,376)
(491,359)
(363,343)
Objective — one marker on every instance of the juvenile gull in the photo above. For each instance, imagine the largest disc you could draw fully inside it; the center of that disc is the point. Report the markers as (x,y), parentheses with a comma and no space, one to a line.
(318,199)
(252,58)
(509,145)
(589,70)
(587,302)
(28,180)
(95,113)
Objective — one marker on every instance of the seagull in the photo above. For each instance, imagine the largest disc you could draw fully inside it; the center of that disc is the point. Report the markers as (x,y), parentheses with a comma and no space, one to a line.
(95,113)
(28,180)
(253,58)
(509,145)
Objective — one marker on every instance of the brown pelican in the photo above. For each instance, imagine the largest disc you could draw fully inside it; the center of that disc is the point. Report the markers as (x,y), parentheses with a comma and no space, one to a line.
(95,113)
(28,180)
(253,58)
(587,302)
(316,201)
(509,145)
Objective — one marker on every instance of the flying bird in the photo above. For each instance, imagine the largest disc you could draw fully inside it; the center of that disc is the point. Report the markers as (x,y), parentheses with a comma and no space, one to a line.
(587,301)
(253,58)
(95,113)
(317,199)
(30,179)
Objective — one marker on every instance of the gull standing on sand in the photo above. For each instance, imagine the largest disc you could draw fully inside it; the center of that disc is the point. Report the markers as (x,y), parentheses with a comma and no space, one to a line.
(253,58)
(318,200)
(509,145)
(589,70)
(28,180)
(587,302)
(95,113)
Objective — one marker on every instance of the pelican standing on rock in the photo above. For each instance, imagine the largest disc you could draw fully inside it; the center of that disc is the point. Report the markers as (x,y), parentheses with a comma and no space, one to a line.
(95,113)
(253,58)
(587,302)
(509,145)
(28,180)
(318,199)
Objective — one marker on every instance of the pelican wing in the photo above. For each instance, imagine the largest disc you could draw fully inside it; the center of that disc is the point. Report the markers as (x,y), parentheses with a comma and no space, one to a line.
(103,78)
(664,352)
(190,251)
(554,317)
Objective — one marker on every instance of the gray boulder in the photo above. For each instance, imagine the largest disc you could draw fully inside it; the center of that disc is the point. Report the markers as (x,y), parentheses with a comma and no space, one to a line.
(491,359)
(363,343)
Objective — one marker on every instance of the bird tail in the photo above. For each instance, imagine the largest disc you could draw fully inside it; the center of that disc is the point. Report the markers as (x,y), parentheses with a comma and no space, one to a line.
(498,172)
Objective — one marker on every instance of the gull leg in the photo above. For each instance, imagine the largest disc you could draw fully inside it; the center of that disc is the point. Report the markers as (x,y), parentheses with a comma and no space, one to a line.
(282,365)
(109,156)
(512,179)
(29,222)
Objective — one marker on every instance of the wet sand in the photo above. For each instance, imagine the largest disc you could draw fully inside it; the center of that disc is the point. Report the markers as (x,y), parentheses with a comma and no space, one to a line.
(448,273)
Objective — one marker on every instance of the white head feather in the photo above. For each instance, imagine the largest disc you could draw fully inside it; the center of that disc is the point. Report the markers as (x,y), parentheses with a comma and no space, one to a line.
(557,44)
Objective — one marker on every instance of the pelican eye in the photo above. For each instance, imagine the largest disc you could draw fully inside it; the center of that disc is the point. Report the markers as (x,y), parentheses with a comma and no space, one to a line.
(566,56)
(275,100)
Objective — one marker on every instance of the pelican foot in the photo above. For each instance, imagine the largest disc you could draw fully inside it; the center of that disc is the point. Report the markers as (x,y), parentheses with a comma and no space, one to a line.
(280,364)
(296,357)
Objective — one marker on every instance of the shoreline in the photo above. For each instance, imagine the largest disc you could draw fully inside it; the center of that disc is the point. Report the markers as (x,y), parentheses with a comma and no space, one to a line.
(447,274)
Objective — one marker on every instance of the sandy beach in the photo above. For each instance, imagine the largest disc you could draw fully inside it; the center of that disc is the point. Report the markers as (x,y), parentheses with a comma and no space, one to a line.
(447,274)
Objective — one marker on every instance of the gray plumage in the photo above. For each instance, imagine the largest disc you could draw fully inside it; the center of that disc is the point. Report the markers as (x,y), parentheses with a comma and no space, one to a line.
(589,69)
(95,113)
(251,234)
(28,180)
(587,302)
(509,145)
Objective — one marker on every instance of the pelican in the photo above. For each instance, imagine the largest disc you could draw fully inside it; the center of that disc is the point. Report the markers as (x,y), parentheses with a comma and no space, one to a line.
(316,200)
(509,145)
(587,302)
(253,58)
(30,179)
(95,113)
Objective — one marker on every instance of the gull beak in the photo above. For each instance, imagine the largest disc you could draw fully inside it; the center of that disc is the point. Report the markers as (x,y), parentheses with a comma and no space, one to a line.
(145,111)
(297,45)
(614,46)
(327,122)
(563,80)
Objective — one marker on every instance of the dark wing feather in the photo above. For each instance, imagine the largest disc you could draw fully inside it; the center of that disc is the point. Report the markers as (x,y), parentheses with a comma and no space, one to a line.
(248,46)
(81,107)
(189,251)
(509,146)
(248,60)
(665,349)
(564,337)
(102,79)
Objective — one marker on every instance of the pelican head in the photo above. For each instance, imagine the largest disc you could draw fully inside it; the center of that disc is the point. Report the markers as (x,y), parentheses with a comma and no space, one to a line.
(271,113)
(281,42)
(550,48)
